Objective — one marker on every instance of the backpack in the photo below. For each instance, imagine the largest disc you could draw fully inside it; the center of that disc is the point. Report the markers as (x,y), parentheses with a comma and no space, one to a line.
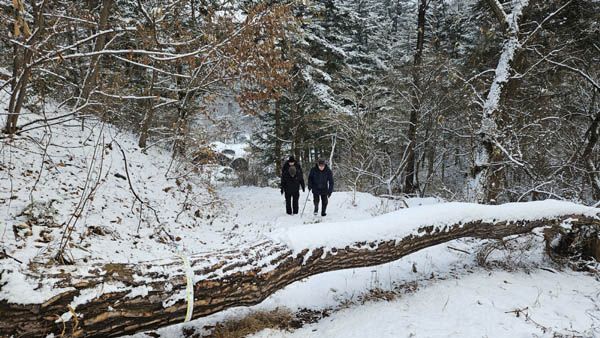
(292,171)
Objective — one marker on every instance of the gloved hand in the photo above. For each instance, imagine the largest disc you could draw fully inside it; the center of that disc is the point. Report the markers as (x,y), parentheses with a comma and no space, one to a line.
(282,191)
(329,195)
(303,189)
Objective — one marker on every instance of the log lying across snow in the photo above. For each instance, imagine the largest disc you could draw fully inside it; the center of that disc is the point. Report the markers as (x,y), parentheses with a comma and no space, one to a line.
(115,299)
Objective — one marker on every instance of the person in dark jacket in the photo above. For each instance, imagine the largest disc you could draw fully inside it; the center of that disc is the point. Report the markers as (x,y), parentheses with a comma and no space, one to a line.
(292,179)
(320,181)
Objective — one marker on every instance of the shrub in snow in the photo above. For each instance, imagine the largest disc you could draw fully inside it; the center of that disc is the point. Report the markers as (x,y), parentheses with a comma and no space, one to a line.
(40,212)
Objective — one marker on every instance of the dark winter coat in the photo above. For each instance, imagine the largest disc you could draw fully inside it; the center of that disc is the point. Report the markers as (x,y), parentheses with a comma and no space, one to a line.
(320,181)
(291,184)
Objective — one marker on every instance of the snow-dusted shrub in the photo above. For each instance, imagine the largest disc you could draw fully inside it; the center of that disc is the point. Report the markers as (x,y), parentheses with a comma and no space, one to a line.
(577,246)
(511,253)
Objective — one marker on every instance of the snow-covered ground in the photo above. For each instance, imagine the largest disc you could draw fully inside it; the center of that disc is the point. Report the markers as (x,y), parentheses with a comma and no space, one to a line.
(440,290)
(482,304)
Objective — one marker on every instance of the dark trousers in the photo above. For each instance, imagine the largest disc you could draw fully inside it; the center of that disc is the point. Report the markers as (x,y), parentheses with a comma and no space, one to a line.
(323,204)
(291,200)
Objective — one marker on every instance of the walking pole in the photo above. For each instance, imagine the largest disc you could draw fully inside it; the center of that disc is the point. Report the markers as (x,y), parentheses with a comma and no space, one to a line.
(305,204)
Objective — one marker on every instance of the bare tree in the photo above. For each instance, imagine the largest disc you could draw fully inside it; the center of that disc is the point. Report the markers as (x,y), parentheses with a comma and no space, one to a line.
(490,154)
(409,186)
(25,44)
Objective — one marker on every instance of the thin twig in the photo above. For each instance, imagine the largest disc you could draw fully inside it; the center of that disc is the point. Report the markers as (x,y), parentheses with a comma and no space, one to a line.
(183,208)
(461,250)
(5,255)
(37,180)
(70,225)
(447,299)
(140,220)
(517,311)
(131,186)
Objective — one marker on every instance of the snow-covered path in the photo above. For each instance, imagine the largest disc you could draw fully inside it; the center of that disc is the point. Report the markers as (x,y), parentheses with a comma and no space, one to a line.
(253,211)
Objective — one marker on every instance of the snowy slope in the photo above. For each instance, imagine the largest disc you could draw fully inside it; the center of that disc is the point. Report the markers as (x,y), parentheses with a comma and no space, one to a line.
(41,194)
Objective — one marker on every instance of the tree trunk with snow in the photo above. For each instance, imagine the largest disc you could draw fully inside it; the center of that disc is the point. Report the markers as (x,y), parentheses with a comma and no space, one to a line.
(148,114)
(593,172)
(95,64)
(484,177)
(115,299)
(22,67)
(411,176)
(278,155)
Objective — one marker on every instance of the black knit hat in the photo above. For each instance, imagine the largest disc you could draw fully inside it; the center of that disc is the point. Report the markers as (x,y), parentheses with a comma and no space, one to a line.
(321,162)
(292,159)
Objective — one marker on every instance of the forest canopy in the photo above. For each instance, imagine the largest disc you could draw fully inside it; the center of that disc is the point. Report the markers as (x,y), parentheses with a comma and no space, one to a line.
(473,100)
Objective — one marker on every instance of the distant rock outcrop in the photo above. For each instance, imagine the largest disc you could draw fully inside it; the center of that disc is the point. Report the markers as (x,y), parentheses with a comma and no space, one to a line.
(240,164)
(228,152)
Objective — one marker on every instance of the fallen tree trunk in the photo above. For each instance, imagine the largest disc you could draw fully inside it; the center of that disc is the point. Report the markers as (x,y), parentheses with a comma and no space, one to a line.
(116,299)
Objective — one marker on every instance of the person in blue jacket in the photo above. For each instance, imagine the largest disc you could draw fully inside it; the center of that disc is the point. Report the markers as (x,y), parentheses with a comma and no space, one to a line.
(320,181)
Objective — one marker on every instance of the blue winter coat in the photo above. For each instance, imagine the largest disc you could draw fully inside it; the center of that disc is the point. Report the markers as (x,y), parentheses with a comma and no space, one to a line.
(320,181)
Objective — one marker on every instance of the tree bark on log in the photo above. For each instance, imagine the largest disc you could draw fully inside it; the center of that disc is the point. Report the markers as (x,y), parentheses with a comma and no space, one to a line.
(115,299)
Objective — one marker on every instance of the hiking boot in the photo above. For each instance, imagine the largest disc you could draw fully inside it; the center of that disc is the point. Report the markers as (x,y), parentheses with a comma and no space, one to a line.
(316,211)
(323,214)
